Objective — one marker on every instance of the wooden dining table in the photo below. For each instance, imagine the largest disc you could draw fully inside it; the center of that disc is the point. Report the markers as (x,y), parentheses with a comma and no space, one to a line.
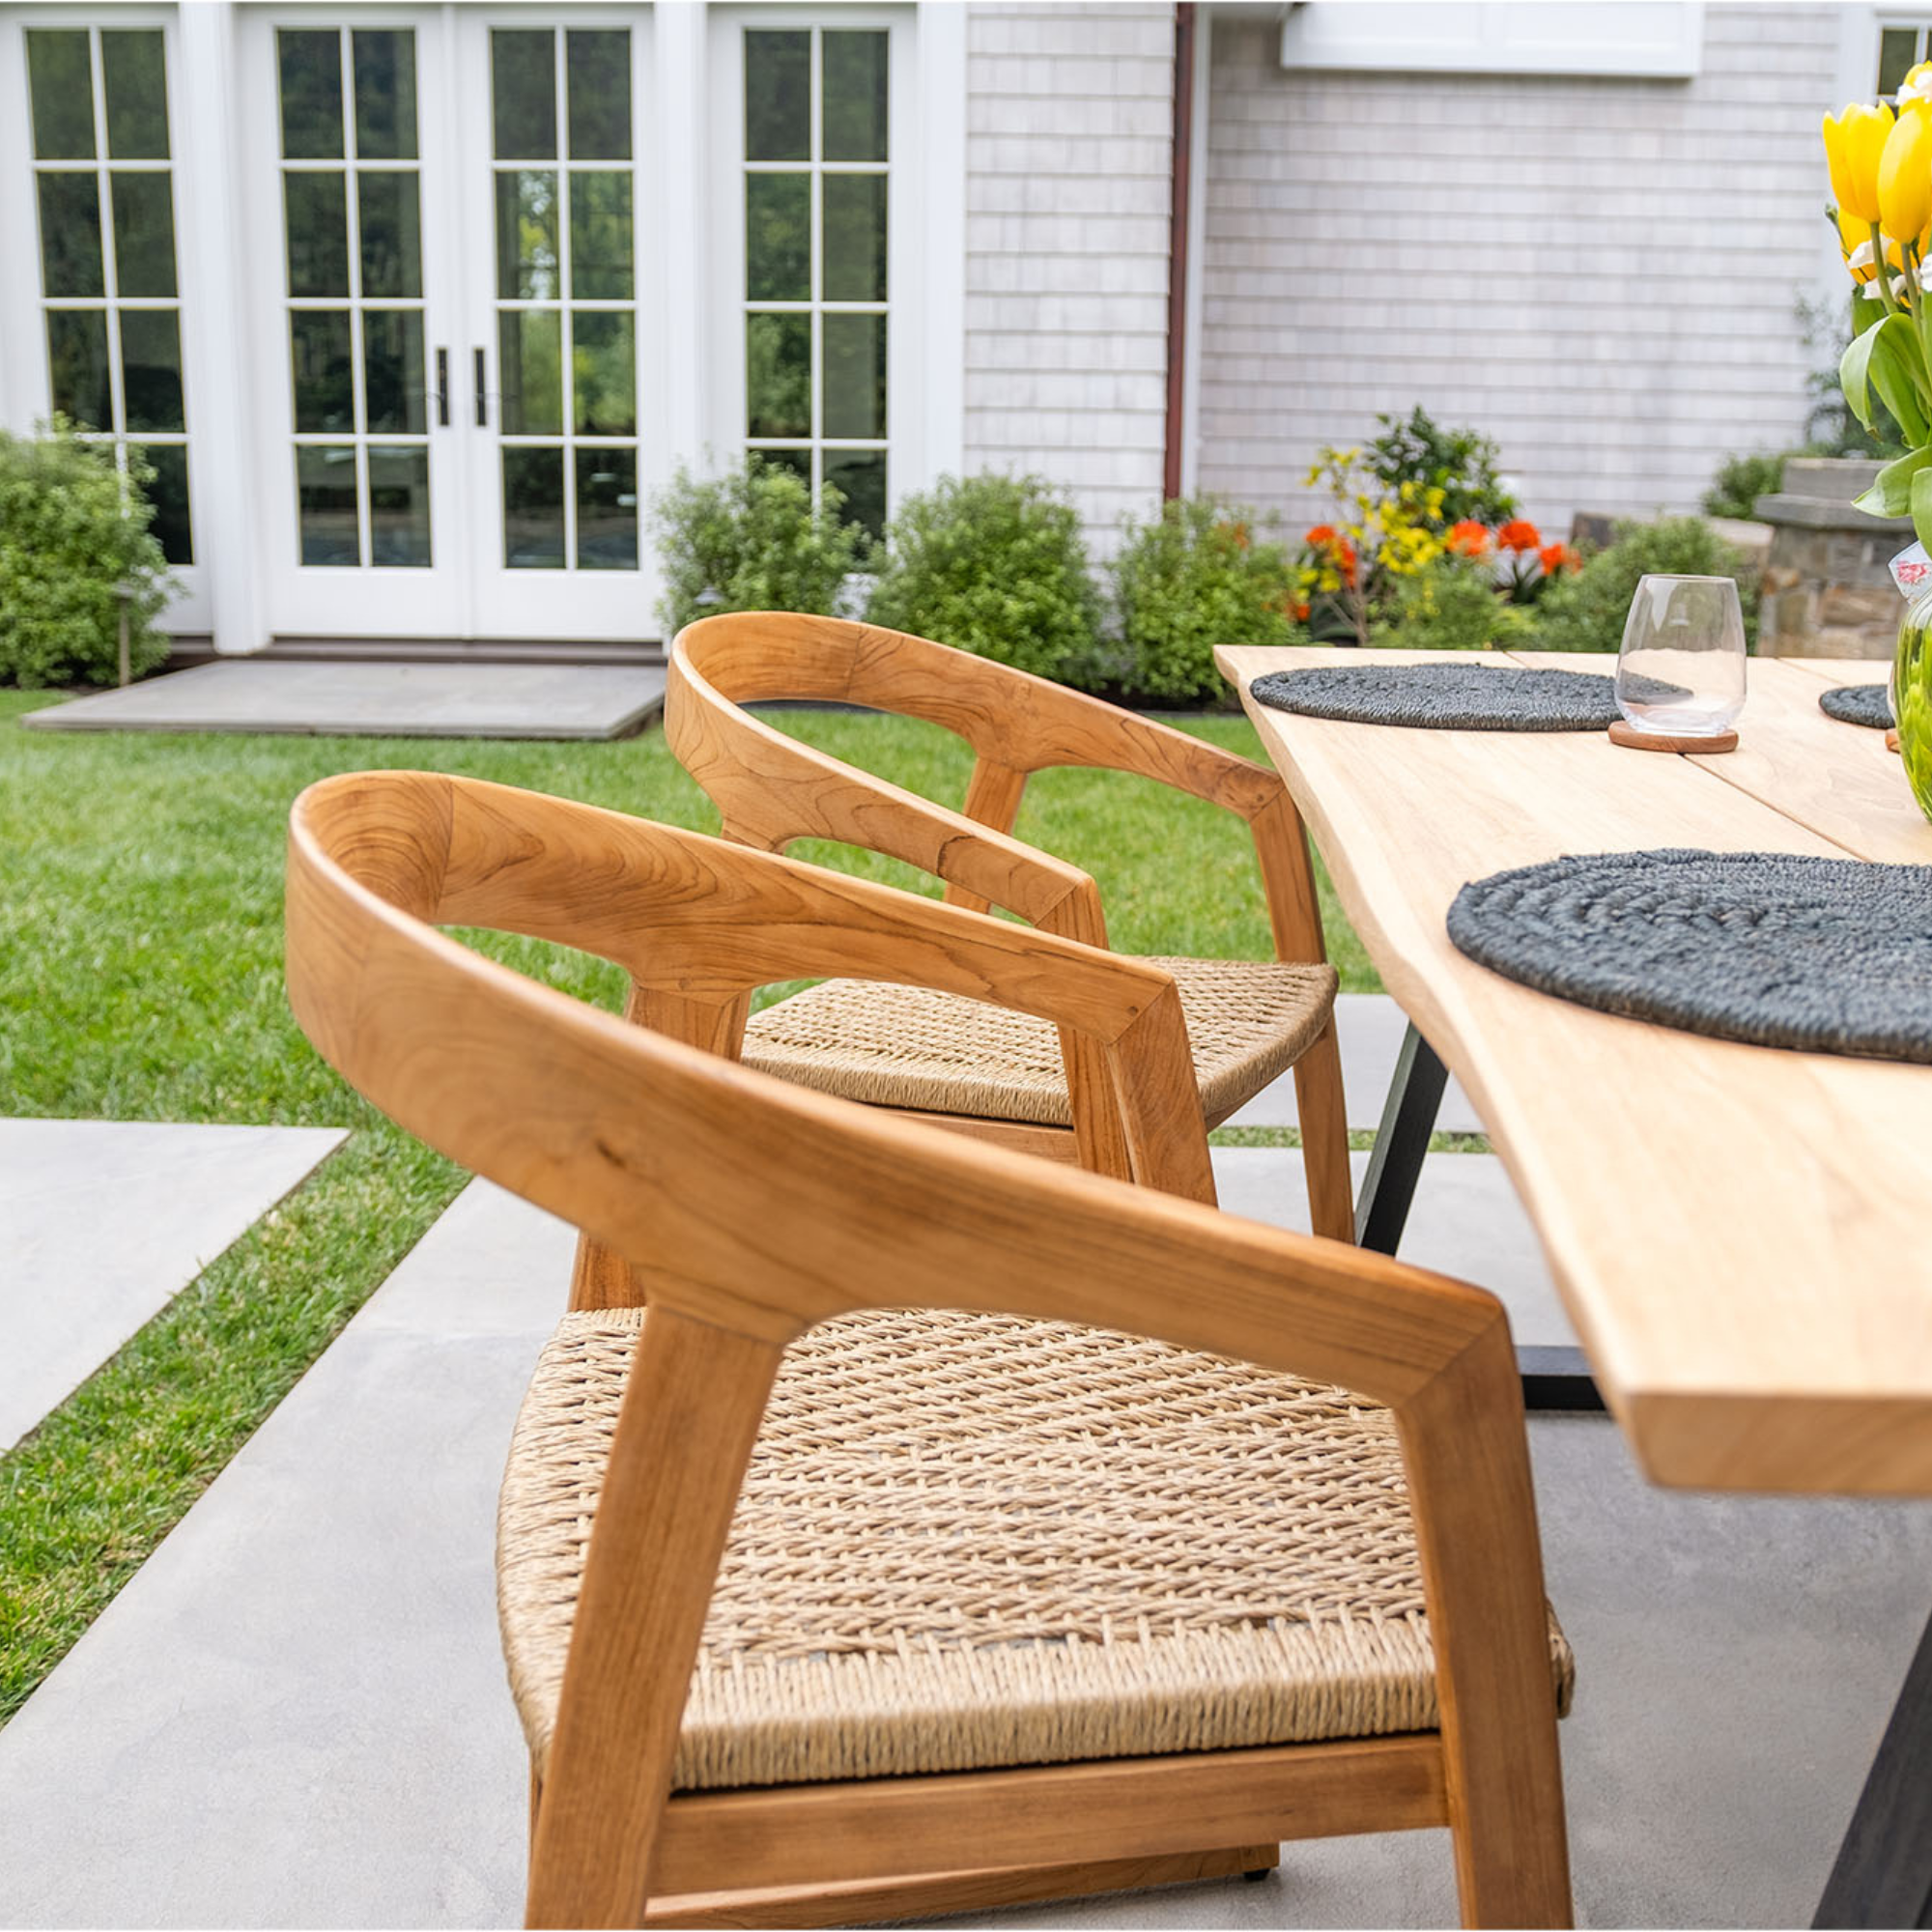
(1740,1233)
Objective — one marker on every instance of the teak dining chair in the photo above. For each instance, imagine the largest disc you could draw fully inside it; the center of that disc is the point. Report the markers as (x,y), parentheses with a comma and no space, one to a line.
(896,1525)
(993,1075)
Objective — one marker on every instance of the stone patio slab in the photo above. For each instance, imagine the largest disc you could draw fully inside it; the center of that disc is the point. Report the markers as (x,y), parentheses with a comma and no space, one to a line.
(413,701)
(296,1715)
(103,1222)
(1370,1027)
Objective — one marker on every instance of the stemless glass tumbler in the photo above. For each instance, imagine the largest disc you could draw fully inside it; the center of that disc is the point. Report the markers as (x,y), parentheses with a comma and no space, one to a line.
(1681,670)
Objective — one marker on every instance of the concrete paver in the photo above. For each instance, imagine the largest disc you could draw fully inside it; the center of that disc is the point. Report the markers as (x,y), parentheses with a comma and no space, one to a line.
(295,1714)
(103,1222)
(416,700)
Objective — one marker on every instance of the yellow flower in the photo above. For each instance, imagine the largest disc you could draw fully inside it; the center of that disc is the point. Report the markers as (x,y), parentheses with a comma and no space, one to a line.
(1905,177)
(1854,142)
(1916,89)
(1855,245)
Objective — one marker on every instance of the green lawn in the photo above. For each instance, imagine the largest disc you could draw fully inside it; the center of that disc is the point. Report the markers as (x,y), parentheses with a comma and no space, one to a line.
(141,980)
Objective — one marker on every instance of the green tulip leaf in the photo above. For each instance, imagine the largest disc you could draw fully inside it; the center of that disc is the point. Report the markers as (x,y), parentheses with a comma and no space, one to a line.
(1855,374)
(1887,358)
(1890,493)
(1921,506)
(1865,312)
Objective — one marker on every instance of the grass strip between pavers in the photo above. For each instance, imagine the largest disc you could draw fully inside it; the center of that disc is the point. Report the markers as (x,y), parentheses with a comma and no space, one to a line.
(86,1497)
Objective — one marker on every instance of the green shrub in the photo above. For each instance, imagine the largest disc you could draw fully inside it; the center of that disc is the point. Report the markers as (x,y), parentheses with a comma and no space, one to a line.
(70,532)
(1741,481)
(752,540)
(1459,461)
(1584,609)
(1452,604)
(1193,578)
(995,565)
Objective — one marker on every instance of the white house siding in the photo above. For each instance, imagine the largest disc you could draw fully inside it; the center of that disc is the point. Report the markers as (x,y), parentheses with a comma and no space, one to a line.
(1068,154)
(1601,274)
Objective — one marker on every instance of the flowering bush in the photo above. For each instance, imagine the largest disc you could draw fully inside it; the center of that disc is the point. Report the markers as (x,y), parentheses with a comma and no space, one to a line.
(1585,608)
(1452,606)
(1461,463)
(1350,569)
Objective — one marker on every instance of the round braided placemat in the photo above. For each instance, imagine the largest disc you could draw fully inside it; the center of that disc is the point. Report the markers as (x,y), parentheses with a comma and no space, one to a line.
(1825,956)
(1446,698)
(1858,705)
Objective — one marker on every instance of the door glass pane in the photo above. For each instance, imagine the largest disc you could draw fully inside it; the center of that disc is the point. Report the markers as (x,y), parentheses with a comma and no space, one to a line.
(777,238)
(600,235)
(854,403)
(134,80)
(777,375)
(390,223)
(77,366)
(323,374)
(603,379)
(393,397)
(311,75)
(530,368)
(144,233)
(526,256)
(168,493)
(1896,49)
(607,509)
(855,237)
(533,509)
(778,96)
(61,83)
(70,235)
(797,461)
(385,94)
(326,504)
(399,506)
(855,97)
(599,75)
(150,371)
(523,89)
(316,209)
(861,475)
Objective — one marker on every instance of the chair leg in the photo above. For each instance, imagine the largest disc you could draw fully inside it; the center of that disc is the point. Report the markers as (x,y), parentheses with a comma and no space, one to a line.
(1324,1137)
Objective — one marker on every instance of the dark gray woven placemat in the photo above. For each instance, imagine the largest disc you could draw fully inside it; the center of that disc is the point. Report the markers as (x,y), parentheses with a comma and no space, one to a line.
(1858,705)
(1826,956)
(1446,698)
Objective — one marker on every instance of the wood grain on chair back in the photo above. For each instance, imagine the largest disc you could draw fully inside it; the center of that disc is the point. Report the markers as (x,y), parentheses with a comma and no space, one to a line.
(756,1209)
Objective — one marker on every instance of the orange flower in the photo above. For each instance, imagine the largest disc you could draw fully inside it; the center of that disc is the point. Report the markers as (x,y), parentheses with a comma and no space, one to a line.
(1518,534)
(1301,613)
(1345,561)
(1321,537)
(1558,557)
(1468,538)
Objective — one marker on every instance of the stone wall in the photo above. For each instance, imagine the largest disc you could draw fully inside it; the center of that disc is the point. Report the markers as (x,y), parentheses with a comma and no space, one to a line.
(1827,584)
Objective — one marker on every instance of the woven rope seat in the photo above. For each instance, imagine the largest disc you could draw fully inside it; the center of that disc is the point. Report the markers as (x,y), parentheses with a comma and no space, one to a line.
(905,1046)
(969,1541)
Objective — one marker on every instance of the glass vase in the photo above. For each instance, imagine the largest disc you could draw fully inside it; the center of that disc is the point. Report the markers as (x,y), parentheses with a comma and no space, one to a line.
(1911,697)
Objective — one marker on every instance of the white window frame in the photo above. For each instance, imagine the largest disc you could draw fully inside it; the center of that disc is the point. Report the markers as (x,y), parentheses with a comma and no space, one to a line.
(924,231)
(1649,40)
(26,396)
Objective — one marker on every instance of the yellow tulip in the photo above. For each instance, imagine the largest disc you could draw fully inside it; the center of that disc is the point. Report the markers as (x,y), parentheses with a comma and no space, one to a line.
(1854,142)
(1916,89)
(1905,177)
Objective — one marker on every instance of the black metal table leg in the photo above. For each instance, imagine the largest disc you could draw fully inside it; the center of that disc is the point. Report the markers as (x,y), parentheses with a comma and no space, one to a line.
(1408,1118)
(1554,1379)
(1884,1871)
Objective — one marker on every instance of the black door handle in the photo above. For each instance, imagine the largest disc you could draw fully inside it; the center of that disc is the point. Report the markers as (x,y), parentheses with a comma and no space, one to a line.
(482,414)
(442,387)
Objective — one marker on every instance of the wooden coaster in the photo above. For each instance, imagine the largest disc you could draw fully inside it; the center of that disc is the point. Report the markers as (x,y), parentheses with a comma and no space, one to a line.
(1892,739)
(1626,734)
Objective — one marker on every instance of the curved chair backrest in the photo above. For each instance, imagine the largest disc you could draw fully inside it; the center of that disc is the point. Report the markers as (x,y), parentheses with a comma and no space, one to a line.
(771,789)
(699,924)
(753,1208)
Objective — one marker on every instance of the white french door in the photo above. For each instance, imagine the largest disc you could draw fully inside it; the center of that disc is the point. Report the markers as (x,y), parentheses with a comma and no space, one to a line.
(449,407)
